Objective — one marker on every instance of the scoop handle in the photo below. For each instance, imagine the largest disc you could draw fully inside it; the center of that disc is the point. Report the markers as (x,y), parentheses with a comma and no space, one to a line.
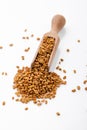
(57,24)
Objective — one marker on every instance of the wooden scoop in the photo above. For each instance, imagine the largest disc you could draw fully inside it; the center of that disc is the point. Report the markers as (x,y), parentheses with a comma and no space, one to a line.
(57,24)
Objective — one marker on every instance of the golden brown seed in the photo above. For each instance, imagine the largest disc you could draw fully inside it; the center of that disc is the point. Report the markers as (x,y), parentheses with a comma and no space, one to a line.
(78,87)
(12,98)
(86,88)
(32,35)
(46,101)
(38,38)
(1,47)
(78,41)
(57,67)
(17,100)
(25,30)
(64,71)
(17,67)
(2,73)
(57,113)
(26,108)
(68,50)
(61,59)
(22,57)
(64,77)
(85,81)
(6,73)
(27,37)
(60,69)
(23,37)
(3,103)
(74,71)
(73,90)
(27,49)
(38,83)
(39,103)
(11,44)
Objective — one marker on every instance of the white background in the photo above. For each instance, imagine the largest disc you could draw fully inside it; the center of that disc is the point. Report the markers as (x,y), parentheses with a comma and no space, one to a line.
(36,15)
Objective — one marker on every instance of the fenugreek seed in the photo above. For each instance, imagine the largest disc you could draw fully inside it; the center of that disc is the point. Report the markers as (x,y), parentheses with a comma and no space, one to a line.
(58,113)
(73,90)
(37,82)
(78,87)
(78,41)
(64,82)
(86,88)
(27,37)
(57,67)
(22,57)
(27,49)
(60,69)
(25,30)
(32,35)
(3,103)
(12,98)
(17,100)
(39,103)
(74,71)
(26,108)
(6,73)
(61,59)
(68,50)
(23,37)
(2,73)
(17,67)
(64,77)
(85,81)
(11,44)
(1,47)
(38,38)
(64,71)
(46,101)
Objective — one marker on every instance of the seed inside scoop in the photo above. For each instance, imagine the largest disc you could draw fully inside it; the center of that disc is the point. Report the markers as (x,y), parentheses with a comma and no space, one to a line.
(37,82)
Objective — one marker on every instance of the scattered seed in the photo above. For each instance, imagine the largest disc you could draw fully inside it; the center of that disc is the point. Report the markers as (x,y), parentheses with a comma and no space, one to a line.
(64,77)
(58,113)
(61,59)
(6,73)
(78,41)
(3,103)
(22,57)
(27,49)
(78,87)
(73,90)
(86,88)
(11,44)
(23,37)
(1,47)
(68,50)
(32,35)
(25,30)
(12,98)
(74,71)
(46,101)
(57,67)
(27,37)
(85,81)
(38,38)
(2,73)
(26,108)
(64,71)
(17,67)
(17,100)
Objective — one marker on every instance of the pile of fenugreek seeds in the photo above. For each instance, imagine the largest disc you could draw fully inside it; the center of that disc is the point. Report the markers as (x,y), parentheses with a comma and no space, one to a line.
(37,82)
